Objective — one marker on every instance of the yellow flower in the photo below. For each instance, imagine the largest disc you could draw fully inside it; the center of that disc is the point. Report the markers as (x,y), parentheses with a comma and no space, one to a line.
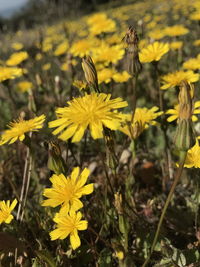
(9,73)
(105,75)
(156,34)
(17,58)
(83,47)
(93,111)
(175,45)
(175,112)
(143,117)
(46,66)
(175,78)
(100,23)
(17,46)
(175,30)
(66,191)
(121,77)
(193,159)
(195,15)
(108,54)
(196,43)
(69,224)
(5,211)
(61,48)
(24,86)
(192,63)
(79,84)
(153,52)
(38,56)
(19,127)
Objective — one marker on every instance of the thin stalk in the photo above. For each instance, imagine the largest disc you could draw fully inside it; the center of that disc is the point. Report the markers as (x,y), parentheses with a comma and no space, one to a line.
(23,182)
(134,84)
(176,180)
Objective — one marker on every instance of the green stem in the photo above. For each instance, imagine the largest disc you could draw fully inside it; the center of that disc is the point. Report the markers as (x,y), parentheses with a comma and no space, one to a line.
(176,180)
(134,83)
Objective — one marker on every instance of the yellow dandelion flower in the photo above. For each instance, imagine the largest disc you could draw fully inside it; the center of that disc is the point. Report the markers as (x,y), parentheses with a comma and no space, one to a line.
(102,24)
(153,52)
(156,34)
(108,54)
(7,73)
(192,64)
(193,159)
(17,58)
(143,118)
(174,113)
(61,48)
(5,210)
(38,56)
(24,86)
(195,15)
(121,77)
(79,84)
(175,78)
(17,46)
(175,30)
(18,129)
(68,224)
(105,75)
(196,43)
(93,111)
(175,45)
(83,47)
(46,66)
(67,191)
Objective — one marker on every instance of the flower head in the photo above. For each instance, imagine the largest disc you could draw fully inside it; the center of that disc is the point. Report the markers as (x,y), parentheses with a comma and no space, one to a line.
(175,30)
(101,23)
(17,46)
(24,86)
(95,111)
(7,73)
(16,58)
(192,63)
(67,191)
(175,78)
(69,224)
(6,209)
(153,52)
(174,113)
(193,159)
(142,119)
(19,127)
(61,48)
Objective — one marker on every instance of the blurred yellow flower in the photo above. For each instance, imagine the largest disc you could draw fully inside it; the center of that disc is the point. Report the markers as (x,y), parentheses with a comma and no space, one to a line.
(192,63)
(105,75)
(175,30)
(153,52)
(193,159)
(175,45)
(5,210)
(67,191)
(174,113)
(7,73)
(175,78)
(93,111)
(196,43)
(17,58)
(18,129)
(83,47)
(121,77)
(156,34)
(46,66)
(38,56)
(61,48)
(195,15)
(108,54)
(17,46)
(79,84)
(24,86)
(143,118)
(68,224)
(100,23)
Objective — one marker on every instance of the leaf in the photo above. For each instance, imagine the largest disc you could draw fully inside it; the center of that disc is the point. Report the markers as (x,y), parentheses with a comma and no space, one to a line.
(179,258)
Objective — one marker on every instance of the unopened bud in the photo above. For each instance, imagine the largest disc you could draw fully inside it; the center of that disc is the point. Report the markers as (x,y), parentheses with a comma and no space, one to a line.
(90,73)
(118,203)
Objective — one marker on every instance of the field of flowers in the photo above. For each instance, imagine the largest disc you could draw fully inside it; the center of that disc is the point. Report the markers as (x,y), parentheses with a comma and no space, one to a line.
(99,139)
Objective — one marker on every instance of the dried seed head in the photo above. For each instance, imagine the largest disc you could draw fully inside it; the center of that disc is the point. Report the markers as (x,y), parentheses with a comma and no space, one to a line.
(90,73)
(133,63)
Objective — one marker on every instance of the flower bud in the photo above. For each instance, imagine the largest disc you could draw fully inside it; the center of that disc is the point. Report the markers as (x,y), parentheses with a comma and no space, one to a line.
(90,73)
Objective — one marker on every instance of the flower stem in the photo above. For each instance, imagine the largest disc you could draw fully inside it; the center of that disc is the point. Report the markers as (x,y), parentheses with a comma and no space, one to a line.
(176,180)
